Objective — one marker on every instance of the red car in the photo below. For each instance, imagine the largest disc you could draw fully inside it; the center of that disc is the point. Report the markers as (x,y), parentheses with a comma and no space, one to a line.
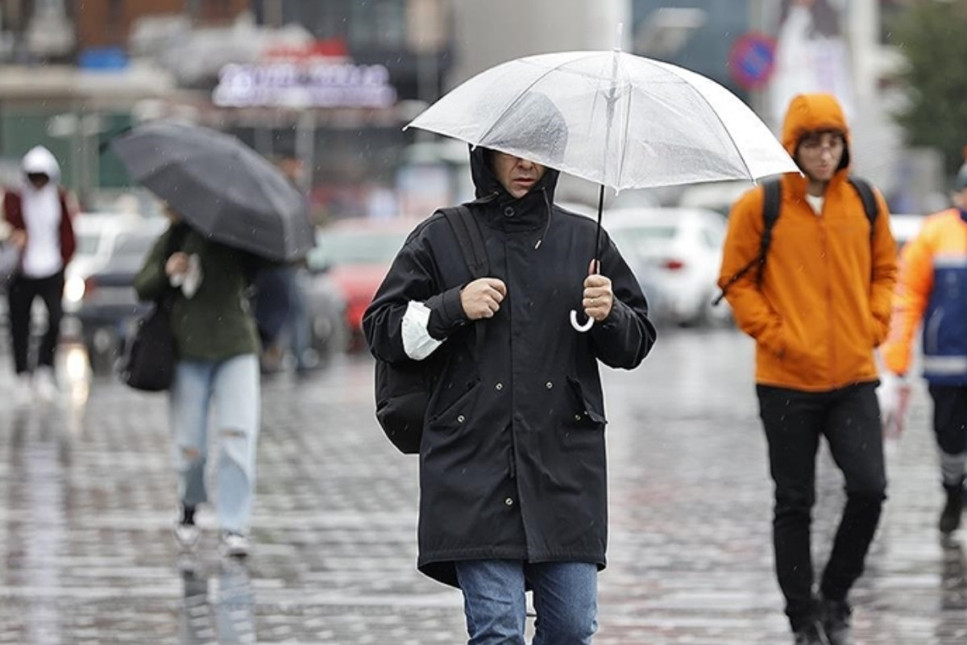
(357,253)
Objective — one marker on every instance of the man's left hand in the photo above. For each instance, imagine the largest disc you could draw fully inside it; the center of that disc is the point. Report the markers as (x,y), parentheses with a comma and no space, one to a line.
(598,297)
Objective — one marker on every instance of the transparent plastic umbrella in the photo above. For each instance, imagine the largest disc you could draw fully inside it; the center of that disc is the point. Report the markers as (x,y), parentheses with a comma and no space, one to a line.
(613,118)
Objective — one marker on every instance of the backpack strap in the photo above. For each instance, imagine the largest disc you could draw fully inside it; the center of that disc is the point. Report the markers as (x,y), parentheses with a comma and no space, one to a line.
(865,191)
(770,213)
(467,231)
(772,198)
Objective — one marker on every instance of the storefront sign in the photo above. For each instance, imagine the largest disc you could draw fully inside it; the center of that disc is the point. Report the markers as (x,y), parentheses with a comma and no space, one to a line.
(309,84)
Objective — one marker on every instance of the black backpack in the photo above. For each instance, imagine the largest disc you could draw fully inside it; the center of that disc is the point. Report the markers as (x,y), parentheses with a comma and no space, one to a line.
(770,213)
(403,389)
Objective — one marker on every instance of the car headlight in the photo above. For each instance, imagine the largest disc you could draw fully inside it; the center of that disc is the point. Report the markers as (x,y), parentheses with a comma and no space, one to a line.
(74,289)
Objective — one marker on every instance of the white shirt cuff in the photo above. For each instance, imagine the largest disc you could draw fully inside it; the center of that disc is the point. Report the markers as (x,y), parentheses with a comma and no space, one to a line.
(417,342)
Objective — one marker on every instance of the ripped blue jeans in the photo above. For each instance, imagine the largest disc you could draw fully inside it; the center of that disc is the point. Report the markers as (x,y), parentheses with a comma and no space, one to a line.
(226,393)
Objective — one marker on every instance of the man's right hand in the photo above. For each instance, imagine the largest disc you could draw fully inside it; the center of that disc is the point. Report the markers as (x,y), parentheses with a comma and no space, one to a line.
(482,297)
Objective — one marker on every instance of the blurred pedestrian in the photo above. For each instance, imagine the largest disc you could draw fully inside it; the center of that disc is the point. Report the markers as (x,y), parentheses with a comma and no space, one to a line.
(817,304)
(217,367)
(40,215)
(512,464)
(282,310)
(930,290)
(811,55)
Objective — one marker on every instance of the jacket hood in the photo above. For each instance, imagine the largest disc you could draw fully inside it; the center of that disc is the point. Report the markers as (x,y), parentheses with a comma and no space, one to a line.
(40,160)
(812,112)
(486,184)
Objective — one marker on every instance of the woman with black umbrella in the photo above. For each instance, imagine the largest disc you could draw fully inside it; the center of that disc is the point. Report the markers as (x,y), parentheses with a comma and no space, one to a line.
(217,367)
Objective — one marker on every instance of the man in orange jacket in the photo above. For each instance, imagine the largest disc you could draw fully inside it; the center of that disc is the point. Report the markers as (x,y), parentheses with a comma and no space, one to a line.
(817,307)
(933,278)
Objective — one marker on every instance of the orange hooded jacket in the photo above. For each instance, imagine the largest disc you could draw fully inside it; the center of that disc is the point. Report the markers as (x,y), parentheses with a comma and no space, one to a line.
(825,296)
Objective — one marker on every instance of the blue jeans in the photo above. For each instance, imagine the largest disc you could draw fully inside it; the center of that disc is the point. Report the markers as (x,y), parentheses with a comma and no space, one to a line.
(232,386)
(565,600)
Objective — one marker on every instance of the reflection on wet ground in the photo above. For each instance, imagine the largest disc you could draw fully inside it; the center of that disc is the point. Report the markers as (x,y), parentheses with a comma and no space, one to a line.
(218,605)
(86,554)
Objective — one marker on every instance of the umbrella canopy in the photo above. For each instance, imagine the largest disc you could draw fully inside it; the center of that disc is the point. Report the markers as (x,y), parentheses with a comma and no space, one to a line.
(221,187)
(613,118)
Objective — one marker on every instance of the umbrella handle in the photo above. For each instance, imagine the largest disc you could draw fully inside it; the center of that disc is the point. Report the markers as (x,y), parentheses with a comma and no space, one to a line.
(583,328)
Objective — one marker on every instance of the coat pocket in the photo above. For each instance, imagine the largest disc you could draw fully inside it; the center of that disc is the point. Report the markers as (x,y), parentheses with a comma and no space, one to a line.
(459,411)
(585,410)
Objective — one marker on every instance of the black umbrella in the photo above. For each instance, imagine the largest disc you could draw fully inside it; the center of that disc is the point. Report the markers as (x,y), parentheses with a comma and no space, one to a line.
(220,186)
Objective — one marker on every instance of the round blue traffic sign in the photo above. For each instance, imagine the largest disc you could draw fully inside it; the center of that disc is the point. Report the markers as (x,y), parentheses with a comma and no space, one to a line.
(751,59)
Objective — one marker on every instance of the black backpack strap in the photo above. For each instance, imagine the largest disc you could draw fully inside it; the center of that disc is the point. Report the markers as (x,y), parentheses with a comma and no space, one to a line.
(772,198)
(467,231)
(770,213)
(865,191)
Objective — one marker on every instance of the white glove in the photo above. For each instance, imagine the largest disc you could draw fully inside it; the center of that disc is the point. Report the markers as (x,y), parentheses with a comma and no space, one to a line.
(893,395)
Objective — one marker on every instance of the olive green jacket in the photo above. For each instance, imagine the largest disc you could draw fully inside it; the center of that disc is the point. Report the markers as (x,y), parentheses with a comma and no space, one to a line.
(216,323)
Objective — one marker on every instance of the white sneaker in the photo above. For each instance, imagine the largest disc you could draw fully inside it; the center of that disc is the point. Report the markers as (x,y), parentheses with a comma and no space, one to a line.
(45,384)
(234,545)
(186,535)
(23,390)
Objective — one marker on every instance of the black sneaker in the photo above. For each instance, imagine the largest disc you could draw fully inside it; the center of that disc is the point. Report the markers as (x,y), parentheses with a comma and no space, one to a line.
(950,516)
(837,622)
(811,634)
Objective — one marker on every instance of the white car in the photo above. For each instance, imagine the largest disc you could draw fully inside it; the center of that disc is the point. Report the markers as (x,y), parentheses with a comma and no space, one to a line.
(676,253)
(97,234)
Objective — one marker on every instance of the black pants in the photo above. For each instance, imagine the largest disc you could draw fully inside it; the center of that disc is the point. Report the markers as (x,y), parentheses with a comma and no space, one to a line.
(22,291)
(950,417)
(849,418)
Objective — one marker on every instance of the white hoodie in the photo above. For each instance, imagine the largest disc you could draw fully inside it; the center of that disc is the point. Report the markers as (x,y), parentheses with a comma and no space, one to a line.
(41,213)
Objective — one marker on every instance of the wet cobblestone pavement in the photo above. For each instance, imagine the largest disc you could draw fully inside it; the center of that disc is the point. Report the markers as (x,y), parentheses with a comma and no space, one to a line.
(87,504)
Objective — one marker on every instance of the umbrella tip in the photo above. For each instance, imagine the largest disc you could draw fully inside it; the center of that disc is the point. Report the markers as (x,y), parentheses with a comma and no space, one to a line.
(618,34)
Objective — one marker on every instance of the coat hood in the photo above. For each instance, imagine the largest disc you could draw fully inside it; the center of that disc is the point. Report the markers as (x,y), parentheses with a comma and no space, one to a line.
(486,184)
(40,160)
(812,112)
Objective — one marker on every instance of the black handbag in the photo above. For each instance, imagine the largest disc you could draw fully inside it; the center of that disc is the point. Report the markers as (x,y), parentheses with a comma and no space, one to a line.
(148,362)
(150,351)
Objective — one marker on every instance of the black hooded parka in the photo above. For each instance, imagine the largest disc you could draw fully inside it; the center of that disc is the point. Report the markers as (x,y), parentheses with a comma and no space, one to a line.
(512,462)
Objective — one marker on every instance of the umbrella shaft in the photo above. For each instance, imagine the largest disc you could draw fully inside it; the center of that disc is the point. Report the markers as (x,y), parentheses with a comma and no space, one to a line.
(597,234)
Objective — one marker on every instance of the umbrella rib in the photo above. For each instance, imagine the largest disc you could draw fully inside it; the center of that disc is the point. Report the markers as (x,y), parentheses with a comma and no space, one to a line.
(521,94)
(624,140)
(735,145)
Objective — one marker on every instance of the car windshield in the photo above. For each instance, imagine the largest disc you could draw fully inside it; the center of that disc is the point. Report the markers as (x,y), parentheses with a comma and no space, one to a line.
(337,248)
(129,252)
(87,243)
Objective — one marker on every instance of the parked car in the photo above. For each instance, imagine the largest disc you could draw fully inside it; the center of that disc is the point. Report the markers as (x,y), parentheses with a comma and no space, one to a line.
(714,195)
(676,253)
(97,234)
(356,255)
(328,328)
(108,305)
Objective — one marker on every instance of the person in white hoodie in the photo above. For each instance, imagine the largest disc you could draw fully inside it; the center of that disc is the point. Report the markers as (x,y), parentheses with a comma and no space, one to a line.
(39,214)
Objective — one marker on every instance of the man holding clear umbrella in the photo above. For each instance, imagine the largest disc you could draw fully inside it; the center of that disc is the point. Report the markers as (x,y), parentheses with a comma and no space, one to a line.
(817,304)
(512,463)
